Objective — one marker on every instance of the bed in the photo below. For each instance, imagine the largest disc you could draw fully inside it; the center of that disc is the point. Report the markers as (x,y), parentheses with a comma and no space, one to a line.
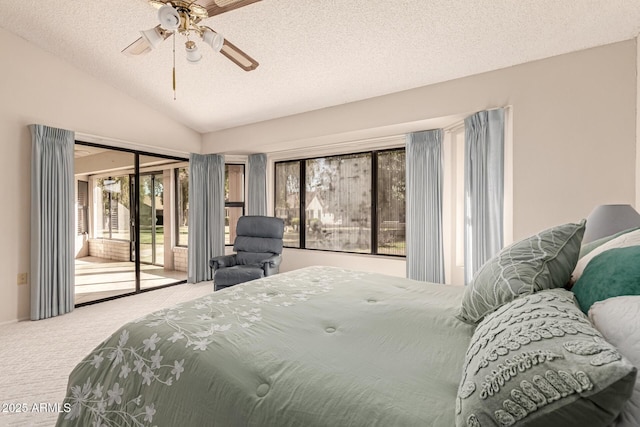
(325,346)
(320,343)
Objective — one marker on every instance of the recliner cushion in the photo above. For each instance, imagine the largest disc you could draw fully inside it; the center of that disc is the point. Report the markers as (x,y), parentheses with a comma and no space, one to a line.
(237,274)
(245,258)
(257,244)
(260,226)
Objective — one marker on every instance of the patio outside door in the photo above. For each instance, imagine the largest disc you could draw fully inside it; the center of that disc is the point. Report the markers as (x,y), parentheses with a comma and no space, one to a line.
(152,219)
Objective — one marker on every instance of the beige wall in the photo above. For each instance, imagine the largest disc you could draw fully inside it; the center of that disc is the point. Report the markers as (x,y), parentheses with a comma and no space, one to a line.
(37,87)
(574,133)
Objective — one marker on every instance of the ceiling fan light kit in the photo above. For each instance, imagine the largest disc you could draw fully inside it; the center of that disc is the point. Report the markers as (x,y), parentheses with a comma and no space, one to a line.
(183,17)
(193,55)
(213,39)
(169,17)
(154,36)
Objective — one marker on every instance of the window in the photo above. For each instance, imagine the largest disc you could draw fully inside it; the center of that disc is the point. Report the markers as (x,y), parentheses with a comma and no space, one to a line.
(182,189)
(338,203)
(352,203)
(287,201)
(391,202)
(83,208)
(233,200)
(114,192)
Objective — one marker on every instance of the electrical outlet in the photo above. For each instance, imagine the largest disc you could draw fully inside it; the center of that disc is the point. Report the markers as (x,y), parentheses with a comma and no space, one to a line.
(22,278)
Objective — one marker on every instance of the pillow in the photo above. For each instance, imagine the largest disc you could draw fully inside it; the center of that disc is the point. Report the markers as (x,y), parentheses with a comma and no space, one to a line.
(588,247)
(543,261)
(631,238)
(610,274)
(618,320)
(539,361)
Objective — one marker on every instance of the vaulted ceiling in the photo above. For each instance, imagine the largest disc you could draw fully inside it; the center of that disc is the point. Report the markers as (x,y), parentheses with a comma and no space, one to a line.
(313,53)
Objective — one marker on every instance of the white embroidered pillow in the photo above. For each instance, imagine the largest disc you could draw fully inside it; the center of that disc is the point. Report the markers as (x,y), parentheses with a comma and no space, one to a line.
(618,319)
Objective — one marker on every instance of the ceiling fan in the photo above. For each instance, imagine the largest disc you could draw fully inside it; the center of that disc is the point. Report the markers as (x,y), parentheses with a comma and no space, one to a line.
(184,17)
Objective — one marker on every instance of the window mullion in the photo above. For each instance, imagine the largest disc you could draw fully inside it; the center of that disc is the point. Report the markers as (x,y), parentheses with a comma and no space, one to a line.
(374,202)
(303,203)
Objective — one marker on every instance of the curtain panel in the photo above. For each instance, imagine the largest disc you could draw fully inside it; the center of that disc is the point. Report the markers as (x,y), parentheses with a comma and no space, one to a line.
(257,197)
(52,222)
(425,252)
(206,214)
(484,188)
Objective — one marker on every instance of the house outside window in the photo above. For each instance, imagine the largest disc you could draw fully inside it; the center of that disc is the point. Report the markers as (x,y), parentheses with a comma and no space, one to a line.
(338,203)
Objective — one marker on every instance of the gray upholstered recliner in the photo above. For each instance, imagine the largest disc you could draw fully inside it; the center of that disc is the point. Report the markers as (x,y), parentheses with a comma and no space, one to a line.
(258,247)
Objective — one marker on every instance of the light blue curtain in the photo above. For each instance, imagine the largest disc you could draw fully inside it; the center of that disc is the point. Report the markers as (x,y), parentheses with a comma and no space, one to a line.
(52,222)
(484,188)
(425,253)
(257,197)
(206,214)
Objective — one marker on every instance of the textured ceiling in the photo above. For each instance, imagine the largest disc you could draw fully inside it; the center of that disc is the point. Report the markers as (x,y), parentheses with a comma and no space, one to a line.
(314,53)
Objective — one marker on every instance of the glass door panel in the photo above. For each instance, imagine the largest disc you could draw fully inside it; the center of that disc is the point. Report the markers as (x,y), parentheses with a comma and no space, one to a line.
(152,219)
(147,219)
(161,262)
(103,264)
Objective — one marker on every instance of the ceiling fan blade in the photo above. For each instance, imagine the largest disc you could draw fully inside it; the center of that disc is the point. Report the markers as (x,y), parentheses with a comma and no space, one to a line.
(138,47)
(236,55)
(216,7)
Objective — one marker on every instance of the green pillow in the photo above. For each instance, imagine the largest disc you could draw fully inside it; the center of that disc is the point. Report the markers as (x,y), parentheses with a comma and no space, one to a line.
(538,361)
(589,247)
(543,261)
(612,273)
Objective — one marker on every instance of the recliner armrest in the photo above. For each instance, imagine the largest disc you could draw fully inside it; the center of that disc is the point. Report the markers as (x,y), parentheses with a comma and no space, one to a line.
(271,265)
(222,261)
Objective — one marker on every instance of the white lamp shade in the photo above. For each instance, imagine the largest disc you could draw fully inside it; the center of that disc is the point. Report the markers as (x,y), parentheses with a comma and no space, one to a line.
(193,54)
(169,17)
(606,220)
(153,36)
(213,39)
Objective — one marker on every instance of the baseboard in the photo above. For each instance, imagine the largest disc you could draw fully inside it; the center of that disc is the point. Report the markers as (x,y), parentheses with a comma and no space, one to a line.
(9,322)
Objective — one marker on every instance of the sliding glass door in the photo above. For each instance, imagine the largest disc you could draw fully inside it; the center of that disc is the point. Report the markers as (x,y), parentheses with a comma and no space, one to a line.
(125,240)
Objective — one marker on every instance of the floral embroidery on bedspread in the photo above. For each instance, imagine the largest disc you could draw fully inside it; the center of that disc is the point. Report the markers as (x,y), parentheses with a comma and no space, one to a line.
(194,325)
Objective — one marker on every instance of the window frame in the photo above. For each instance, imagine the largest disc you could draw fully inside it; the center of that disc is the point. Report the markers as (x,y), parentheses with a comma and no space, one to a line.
(176,177)
(374,199)
(230,204)
(241,204)
(82,227)
(110,237)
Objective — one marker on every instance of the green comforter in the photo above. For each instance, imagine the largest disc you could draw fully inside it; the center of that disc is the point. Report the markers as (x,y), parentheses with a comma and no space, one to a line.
(319,346)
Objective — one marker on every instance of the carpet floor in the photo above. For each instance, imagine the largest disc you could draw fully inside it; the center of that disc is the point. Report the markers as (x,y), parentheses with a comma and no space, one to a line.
(36,358)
